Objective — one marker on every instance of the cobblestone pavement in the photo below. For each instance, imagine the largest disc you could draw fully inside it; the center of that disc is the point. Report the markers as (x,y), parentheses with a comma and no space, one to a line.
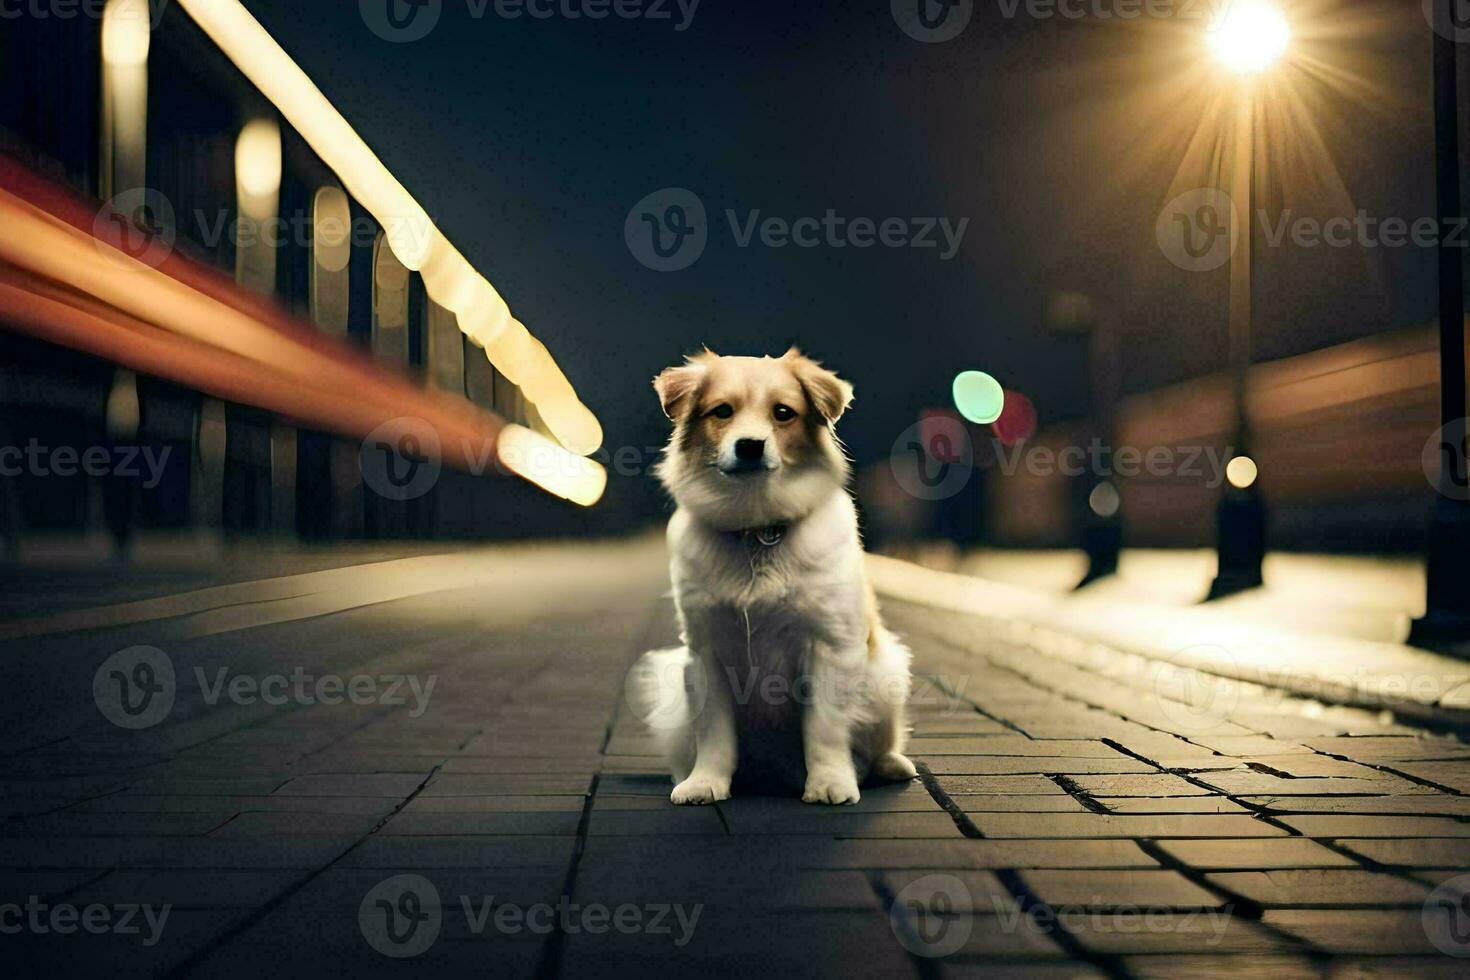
(428,765)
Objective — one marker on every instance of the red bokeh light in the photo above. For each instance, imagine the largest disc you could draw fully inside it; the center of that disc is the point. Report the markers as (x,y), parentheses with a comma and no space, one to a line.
(1017,420)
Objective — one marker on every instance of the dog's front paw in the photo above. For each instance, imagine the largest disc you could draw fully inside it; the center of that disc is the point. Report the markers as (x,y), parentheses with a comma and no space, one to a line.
(894,767)
(828,786)
(699,789)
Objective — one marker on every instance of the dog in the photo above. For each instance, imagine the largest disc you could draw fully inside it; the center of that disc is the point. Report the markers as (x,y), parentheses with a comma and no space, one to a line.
(787,677)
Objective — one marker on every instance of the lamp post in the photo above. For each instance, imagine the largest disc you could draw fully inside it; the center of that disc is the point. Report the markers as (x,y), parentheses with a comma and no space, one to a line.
(1247,37)
(1446,620)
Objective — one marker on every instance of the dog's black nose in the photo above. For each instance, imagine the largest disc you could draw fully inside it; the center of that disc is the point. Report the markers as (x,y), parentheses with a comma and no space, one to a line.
(750,450)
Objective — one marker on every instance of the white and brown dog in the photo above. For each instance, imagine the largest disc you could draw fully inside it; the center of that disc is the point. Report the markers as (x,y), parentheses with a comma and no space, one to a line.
(787,673)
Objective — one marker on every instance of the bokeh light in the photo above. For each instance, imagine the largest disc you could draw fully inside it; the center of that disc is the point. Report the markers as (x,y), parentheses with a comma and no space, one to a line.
(1104,500)
(1241,472)
(979,397)
(1017,421)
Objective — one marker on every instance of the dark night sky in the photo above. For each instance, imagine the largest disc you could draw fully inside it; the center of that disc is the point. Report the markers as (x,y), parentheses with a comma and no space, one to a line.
(529,141)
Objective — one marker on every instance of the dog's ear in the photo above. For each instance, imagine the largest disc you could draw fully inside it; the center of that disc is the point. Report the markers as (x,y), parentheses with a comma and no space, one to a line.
(676,385)
(828,393)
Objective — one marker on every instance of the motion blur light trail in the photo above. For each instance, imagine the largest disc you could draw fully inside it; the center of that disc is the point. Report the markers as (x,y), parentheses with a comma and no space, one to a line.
(450,280)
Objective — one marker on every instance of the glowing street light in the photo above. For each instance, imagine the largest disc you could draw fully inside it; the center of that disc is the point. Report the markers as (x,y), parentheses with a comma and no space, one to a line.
(1248,38)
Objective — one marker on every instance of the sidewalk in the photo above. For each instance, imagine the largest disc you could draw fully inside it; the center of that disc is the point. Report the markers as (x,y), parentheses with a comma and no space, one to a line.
(1082,812)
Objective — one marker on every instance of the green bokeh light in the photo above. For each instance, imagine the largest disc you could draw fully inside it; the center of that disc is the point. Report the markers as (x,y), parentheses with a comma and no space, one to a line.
(978,396)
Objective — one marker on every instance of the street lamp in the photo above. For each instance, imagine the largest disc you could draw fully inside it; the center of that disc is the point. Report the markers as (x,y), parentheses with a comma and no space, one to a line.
(1446,620)
(1247,37)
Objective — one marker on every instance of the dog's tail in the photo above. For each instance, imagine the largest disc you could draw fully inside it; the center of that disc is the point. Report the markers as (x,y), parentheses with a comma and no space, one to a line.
(666,690)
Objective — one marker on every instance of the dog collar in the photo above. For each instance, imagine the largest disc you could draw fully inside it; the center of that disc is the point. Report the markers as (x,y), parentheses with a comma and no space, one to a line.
(763,537)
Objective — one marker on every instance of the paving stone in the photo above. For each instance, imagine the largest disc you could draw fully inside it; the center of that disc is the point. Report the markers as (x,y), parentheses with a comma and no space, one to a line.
(287,823)
(1405,805)
(1062,803)
(580,766)
(186,889)
(354,784)
(1014,745)
(1302,766)
(125,803)
(956,785)
(1209,930)
(1419,853)
(1255,746)
(1367,932)
(1344,888)
(476,824)
(1334,825)
(172,852)
(1210,967)
(1456,775)
(1114,889)
(507,785)
(416,853)
(1142,784)
(68,824)
(1172,804)
(978,765)
(496,804)
(1385,748)
(670,820)
(985,892)
(1248,782)
(843,824)
(856,944)
(1085,825)
(1229,855)
(1013,969)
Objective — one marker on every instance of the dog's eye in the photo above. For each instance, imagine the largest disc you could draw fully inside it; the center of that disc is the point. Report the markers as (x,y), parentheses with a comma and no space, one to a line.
(784,413)
(722,411)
